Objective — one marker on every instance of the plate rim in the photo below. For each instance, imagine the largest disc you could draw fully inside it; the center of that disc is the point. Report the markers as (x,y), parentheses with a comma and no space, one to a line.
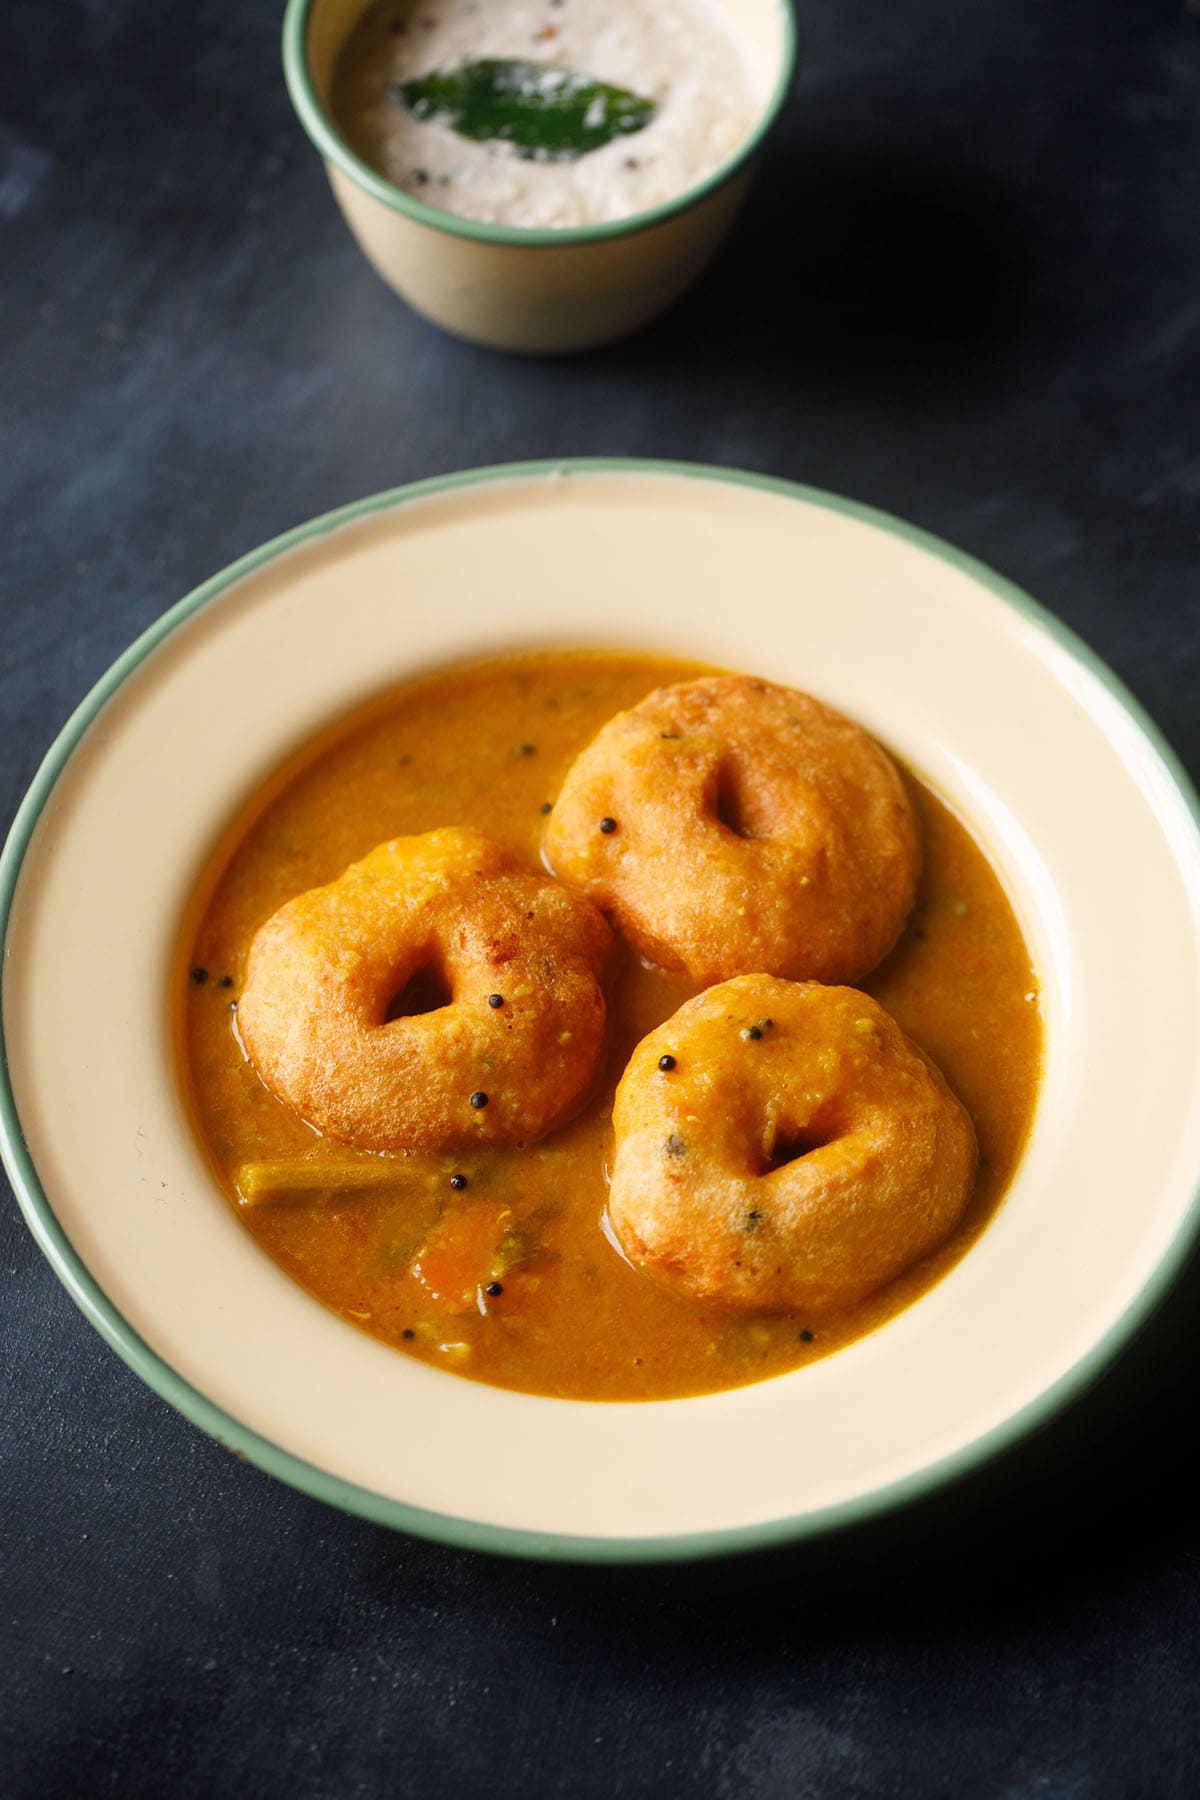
(454,1529)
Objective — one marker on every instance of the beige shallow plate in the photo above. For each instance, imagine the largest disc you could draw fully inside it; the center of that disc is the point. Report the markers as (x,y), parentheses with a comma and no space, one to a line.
(1075,798)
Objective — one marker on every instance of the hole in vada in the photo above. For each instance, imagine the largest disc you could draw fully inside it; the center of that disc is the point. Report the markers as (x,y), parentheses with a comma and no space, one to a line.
(425,991)
(735,804)
(790,1150)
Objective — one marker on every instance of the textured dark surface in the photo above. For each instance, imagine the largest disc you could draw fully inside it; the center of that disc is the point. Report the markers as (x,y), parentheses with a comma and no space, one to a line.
(966,290)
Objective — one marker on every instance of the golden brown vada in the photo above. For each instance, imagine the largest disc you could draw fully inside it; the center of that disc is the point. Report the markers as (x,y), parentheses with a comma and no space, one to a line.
(439,993)
(730,826)
(782,1146)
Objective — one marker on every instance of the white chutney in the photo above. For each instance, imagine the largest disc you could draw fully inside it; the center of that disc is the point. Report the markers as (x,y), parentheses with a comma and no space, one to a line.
(680,54)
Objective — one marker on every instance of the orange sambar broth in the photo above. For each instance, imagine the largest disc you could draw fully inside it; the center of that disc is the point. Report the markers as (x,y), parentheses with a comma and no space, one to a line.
(488,746)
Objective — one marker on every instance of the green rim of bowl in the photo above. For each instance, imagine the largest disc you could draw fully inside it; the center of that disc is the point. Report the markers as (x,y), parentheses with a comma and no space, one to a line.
(466,1532)
(334,148)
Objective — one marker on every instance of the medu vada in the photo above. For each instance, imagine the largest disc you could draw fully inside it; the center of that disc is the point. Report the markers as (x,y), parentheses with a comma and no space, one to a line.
(783,1146)
(729,826)
(439,993)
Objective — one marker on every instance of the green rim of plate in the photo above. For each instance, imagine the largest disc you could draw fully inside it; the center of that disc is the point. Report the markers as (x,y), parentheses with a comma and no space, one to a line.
(447,1528)
(335,149)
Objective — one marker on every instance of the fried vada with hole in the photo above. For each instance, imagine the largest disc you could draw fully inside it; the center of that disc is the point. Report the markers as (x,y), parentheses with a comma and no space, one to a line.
(438,994)
(784,1146)
(729,826)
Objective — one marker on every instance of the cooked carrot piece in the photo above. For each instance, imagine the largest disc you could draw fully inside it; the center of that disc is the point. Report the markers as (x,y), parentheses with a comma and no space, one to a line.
(459,1255)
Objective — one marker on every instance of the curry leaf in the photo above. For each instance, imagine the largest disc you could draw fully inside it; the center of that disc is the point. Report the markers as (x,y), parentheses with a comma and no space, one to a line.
(545,114)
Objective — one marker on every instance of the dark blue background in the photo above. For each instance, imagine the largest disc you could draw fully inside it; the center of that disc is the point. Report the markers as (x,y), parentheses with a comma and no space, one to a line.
(967,289)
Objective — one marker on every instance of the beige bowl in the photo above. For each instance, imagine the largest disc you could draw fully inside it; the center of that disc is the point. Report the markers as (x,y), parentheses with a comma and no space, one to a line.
(1077,802)
(516,288)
